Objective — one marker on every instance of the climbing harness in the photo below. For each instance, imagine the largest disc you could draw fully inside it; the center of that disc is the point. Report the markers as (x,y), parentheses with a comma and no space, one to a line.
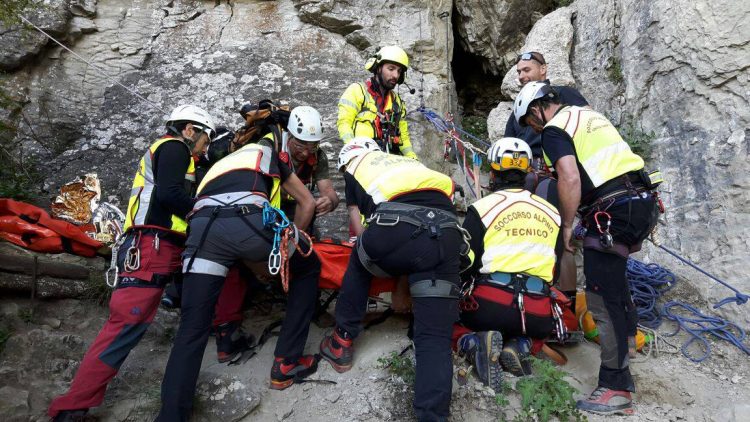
(284,233)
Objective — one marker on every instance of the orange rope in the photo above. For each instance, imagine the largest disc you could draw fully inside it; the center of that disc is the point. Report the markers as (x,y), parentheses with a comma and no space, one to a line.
(284,250)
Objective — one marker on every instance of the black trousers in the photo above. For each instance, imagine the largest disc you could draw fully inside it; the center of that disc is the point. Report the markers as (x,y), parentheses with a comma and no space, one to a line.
(228,240)
(608,293)
(405,250)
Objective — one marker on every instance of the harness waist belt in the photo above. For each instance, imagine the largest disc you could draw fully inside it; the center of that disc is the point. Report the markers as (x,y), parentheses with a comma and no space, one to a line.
(225,212)
(413,214)
(616,197)
(529,283)
(435,288)
(229,199)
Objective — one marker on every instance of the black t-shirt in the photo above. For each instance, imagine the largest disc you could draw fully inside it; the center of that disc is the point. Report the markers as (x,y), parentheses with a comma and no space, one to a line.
(357,195)
(171,191)
(246,180)
(568,96)
(557,144)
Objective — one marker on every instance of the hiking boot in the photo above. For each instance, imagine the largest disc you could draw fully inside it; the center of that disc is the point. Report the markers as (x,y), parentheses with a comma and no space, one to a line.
(170,302)
(338,350)
(78,415)
(604,401)
(283,375)
(231,341)
(515,356)
(483,350)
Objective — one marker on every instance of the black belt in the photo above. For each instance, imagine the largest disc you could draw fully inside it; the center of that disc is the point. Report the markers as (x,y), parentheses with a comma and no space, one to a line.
(170,236)
(432,219)
(226,212)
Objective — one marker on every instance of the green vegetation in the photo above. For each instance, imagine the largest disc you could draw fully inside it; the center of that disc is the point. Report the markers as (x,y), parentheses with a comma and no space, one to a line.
(11,9)
(546,394)
(614,72)
(5,333)
(400,366)
(477,126)
(98,291)
(640,141)
(26,315)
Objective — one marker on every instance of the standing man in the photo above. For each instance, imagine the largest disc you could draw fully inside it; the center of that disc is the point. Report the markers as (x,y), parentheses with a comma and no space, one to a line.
(603,180)
(412,231)
(148,258)
(373,109)
(532,67)
(515,238)
(227,226)
(299,149)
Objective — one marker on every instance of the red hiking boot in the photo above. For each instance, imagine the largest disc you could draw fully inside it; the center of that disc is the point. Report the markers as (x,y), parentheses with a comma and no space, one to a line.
(231,341)
(283,375)
(338,351)
(604,401)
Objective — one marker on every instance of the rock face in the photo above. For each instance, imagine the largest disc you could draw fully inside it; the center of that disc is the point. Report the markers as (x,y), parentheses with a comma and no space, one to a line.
(495,30)
(681,83)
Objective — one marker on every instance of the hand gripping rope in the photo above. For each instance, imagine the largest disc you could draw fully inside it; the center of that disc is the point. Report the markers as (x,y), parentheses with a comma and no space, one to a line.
(284,233)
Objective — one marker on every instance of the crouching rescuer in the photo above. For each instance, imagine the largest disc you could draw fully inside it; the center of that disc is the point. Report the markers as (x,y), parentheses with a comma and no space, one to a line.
(516,243)
(603,180)
(235,218)
(412,231)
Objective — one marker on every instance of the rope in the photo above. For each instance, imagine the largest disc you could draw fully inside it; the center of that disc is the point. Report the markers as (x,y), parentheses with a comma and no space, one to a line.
(648,282)
(100,70)
(699,327)
(286,238)
(739,298)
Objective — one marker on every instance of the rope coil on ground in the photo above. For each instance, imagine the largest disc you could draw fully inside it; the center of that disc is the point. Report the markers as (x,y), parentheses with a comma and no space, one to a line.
(648,282)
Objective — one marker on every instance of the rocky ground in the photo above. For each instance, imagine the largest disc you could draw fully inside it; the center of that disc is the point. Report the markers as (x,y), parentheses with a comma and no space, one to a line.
(45,347)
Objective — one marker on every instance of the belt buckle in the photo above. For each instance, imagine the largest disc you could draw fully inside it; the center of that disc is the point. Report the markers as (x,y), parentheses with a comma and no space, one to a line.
(377,221)
(244,209)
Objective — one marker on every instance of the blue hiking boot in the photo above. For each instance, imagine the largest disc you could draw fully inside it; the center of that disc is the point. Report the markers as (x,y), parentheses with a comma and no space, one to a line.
(483,350)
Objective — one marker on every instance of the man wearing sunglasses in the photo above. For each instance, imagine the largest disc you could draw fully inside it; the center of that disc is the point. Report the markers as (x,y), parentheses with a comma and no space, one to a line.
(516,243)
(531,67)
(299,148)
(148,257)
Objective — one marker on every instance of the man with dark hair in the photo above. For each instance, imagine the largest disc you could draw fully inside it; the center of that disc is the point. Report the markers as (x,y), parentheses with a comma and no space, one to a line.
(374,109)
(601,179)
(532,67)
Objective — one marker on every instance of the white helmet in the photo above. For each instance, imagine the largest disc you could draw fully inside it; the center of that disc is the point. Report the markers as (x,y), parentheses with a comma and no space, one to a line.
(304,124)
(195,115)
(530,92)
(509,154)
(357,146)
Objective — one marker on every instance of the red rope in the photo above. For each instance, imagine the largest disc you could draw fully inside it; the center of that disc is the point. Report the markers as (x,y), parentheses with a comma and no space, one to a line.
(286,236)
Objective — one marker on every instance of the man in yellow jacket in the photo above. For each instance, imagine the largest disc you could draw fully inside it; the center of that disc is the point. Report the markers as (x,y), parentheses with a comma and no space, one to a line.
(602,180)
(373,109)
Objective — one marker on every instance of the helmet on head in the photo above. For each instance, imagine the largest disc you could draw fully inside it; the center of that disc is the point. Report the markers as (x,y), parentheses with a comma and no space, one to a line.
(510,154)
(357,146)
(195,115)
(531,92)
(391,54)
(304,124)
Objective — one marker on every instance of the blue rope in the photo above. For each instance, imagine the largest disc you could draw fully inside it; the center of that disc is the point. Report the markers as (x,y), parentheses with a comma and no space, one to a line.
(648,282)
(738,298)
(443,126)
(276,220)
(700,326)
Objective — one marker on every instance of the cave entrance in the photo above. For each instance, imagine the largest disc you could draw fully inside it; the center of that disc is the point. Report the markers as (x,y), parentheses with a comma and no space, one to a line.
(478,91)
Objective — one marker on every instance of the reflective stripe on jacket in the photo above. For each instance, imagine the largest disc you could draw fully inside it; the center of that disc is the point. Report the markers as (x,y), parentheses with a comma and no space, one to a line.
(359,115)
(252,157)
(599,148)
(143,192)
(521,233)
(386,176)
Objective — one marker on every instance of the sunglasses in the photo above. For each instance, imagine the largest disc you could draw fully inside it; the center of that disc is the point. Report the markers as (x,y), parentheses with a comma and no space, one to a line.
(206,130)
(531,56)
(311,147)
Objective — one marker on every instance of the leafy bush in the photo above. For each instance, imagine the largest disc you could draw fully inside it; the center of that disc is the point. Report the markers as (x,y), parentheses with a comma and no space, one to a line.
(546,394)
(399,365)
(639,140)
